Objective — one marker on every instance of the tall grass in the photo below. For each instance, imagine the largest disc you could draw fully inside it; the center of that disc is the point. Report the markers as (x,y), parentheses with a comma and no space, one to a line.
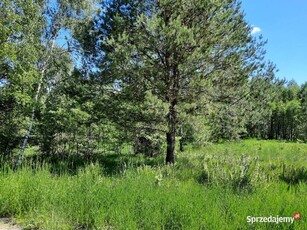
(201,191)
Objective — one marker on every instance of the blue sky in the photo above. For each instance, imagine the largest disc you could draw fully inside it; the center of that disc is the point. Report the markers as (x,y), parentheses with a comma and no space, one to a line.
(284,24)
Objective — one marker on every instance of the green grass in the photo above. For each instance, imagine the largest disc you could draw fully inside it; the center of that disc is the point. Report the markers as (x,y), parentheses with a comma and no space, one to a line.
(268,150)
(215,187)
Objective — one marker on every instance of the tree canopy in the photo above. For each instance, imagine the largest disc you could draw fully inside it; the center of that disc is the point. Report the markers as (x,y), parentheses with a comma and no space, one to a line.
(186,53)
(76,76)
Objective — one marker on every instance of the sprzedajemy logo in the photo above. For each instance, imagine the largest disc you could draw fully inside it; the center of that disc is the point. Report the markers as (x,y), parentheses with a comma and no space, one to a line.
(273,219)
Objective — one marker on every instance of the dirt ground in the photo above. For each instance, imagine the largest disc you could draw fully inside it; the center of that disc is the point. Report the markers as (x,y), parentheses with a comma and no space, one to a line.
(7,224)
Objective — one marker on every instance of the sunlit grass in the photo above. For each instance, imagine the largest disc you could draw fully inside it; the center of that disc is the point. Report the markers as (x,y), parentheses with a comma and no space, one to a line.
(290,152)
(210,188)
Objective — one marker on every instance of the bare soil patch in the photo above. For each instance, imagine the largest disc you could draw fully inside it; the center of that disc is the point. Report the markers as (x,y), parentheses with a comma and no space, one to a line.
(8,224)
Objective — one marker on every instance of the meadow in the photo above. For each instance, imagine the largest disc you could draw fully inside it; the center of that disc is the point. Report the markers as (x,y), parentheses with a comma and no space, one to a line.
(212,187)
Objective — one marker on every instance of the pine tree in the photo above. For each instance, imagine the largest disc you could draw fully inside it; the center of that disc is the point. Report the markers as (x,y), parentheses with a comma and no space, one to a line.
(180,50)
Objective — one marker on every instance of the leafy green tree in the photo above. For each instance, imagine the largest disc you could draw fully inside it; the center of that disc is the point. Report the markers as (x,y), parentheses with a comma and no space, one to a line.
(288,113)
(302,96)
(20,32)
(58,16)
(293,112)
(65,113)
(262,93)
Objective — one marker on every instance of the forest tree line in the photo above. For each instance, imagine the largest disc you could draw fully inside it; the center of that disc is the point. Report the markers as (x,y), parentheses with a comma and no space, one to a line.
(78,75)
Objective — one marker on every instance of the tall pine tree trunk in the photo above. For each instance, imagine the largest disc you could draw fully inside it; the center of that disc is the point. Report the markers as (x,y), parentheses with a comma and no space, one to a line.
(181,146)
(171,135)
(173,79)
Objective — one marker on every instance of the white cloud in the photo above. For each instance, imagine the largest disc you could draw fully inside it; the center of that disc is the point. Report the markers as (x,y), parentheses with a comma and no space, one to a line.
(256,30)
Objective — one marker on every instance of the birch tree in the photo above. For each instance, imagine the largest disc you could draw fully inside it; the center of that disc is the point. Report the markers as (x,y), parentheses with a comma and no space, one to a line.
(59,17)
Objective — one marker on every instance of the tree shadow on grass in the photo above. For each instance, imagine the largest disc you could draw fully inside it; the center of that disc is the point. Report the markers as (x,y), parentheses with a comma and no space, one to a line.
(294,175)
(111,163)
